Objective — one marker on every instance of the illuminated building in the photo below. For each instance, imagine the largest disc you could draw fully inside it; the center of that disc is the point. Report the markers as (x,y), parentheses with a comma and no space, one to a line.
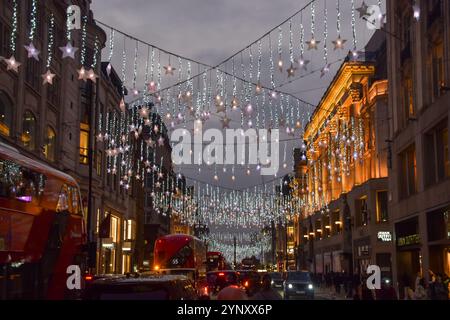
(419,74)
(341,171)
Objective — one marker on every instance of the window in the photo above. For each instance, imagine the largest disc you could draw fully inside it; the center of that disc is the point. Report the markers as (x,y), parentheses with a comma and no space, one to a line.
(382,206)
(5,115)
(408,172)
(50,144)
(29,131)
(84,143)
(5,32)
(337,225)
(97,222)
(408,100)
(362,213)
(53,92)
(437,164)
(115,232)
(33,74)
(129,229)
(99,163)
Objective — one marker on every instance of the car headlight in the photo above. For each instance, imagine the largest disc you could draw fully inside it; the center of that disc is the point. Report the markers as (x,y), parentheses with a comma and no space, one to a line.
(271,282)
(290,286)
(310,286)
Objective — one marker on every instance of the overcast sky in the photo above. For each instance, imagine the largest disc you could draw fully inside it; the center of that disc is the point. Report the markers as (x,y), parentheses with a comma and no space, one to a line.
(212,30)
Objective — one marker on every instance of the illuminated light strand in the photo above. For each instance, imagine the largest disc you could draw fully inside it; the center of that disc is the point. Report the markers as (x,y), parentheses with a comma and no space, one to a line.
(96,53)
(124,66)
(338,17)
(355,42)
(291,43)
(135,65)
(84,40)
(14,29)
(111,44)
(51,40)
(325,34)
(33,20)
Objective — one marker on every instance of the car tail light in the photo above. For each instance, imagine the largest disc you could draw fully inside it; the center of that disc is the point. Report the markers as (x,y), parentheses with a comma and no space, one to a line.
(205,291)
(221,274)
(246,284)
(88,277)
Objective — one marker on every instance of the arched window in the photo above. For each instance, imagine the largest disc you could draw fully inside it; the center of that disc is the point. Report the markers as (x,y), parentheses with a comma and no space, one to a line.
(50,144)
(5,115)
(29,131)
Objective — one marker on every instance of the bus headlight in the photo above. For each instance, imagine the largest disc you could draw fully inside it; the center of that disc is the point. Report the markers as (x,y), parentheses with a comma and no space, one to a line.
(310,286)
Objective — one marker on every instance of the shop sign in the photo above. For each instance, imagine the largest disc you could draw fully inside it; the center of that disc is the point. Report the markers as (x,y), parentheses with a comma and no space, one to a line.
(384,236)
(408,240)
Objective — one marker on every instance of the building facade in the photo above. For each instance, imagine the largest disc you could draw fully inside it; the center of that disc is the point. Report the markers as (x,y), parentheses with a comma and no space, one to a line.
(341,175)
(419,184)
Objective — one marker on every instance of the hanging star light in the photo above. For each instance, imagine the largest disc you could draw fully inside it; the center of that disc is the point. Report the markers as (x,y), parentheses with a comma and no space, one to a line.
(291,71)
(12,64)
(324,70)
(82,74)
(220,107)
(302,62)
(143,112)
(68,51)
(32,51)
(339,43)
(169,69)
(363,9)
(122,105)
(258,88)
(225,122)
(312,44)
(48,77)
(92,76)
(161,141)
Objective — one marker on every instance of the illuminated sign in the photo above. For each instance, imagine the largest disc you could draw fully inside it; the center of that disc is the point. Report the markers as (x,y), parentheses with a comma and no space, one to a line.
(408,240)
(384,236)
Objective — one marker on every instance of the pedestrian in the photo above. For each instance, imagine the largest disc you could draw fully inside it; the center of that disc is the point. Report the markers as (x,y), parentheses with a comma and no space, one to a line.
(267,292)
(407,291)
(387,291)
(420,293)
(438,291)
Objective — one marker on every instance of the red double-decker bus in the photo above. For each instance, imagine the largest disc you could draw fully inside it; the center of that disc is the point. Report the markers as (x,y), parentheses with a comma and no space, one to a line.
(179,251)
(216,261)
(42,229)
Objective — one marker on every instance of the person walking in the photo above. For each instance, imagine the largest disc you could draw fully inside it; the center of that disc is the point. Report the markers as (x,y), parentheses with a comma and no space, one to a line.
(420,293)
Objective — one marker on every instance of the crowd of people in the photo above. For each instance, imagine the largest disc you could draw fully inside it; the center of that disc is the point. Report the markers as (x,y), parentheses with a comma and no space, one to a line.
(355,287)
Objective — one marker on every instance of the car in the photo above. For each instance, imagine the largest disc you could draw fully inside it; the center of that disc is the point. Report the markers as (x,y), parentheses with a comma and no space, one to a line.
(142,287)
(250,280)
(217,280)
(277,279)
(298,284)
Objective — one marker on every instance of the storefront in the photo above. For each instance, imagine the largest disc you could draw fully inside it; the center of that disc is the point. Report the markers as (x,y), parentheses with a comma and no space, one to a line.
(438,227)
(362,253)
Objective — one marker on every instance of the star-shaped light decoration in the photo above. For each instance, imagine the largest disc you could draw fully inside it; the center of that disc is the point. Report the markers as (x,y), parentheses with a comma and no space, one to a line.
(302,62)
(191,110)
(100,138)
(235,103)
(339,43)
(248,110)
(291,71)
(258,88)
(282,122)
(92,76)
(143,112)
(158,185)
(12,64)
(82,74)
(68,51)
(32,51)
(220,107)
(150,142)
(152,86)
(226,122)
(169,69)
(363,9)
(48,77)
(108,69)
(324,70)
(161,141)
(122,105)
(312,44)
(160,175)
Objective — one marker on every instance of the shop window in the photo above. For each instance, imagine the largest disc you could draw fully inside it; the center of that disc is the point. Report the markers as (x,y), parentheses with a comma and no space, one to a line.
(84,143)
(319,231)
(29,131)
(115,231)
(129,229)
(5,115)
(382,206)
(408,172)
(407,100)
(50,144)
(437,164)
(438,225)
(63,200)
(33,74)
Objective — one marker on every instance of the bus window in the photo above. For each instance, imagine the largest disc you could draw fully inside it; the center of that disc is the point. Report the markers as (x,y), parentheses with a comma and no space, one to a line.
(20,183)
(75,205)
(63,200)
